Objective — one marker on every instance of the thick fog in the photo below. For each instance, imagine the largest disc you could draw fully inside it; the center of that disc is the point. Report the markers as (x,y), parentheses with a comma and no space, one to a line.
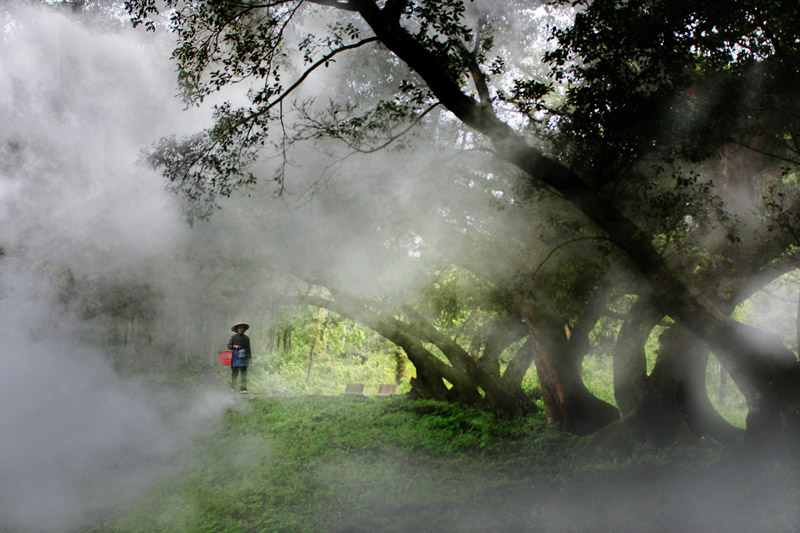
(87,232)
(77,105)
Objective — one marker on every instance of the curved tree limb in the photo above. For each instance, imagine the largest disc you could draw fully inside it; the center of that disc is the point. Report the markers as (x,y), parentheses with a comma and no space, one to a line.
(760,371)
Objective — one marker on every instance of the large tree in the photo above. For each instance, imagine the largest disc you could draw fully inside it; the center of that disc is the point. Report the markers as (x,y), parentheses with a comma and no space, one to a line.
(625,67)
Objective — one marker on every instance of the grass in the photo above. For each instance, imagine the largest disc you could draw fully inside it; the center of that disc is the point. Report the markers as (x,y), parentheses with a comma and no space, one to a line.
(317,463)
(344,464)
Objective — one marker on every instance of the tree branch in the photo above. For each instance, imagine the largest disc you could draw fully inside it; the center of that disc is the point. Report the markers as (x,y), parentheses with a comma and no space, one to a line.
(392,330)
(753,364)
(344,5)
(457,355)
(478,77)
(323,60)
(563,244)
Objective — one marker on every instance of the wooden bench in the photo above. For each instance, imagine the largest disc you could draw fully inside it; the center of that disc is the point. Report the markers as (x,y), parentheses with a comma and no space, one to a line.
(354,389)
(387,389)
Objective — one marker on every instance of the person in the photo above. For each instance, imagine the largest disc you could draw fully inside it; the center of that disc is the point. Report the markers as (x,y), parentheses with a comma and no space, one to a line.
(240,344)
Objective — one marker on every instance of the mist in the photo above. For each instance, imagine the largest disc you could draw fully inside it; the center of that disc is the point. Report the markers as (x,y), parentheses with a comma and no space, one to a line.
(78,104)
(100,271)
(85,228)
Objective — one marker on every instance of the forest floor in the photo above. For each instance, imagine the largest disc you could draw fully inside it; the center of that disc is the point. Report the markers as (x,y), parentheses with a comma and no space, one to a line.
(344,464)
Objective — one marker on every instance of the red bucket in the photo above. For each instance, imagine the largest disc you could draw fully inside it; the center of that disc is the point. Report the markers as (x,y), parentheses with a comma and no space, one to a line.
(225,358)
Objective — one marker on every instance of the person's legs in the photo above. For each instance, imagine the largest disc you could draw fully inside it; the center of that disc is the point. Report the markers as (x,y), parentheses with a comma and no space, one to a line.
(234,376)
(243,371)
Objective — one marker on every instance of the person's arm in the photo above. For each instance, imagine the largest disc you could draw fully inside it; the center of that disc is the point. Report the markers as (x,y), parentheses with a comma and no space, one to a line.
(231,345)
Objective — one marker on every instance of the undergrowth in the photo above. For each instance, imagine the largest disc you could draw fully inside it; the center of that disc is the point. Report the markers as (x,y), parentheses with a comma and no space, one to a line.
(345,464)
(316,463)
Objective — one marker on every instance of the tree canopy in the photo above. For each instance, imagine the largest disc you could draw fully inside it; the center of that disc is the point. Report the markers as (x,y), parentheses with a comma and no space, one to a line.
(652,130)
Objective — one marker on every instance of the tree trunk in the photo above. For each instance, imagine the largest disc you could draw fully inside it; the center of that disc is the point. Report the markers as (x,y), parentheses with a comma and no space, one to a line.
(630,360)
(674,403)
(692,394)
(656,419)
(567,400)
(428,383)
(466,377)
(518,366)
(768,374)
(472,375)
(431,372)
(287,340)
(311,359)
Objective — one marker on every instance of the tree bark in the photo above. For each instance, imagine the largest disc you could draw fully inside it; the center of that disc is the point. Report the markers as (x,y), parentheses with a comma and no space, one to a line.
(287,340)
(518,366)
(630,360)
(567,400)
(678,378)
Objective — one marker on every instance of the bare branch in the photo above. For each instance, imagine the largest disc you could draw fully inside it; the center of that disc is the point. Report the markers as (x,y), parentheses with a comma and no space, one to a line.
(563,244)
(322,61)
(766,153)
(392,138)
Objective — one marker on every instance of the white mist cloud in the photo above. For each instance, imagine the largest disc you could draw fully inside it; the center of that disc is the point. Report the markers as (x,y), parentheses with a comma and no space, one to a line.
(75,438)
(77,105)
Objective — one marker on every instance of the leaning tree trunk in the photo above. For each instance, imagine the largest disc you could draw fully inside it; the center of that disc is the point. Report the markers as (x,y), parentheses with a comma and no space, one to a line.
(692,394)
(431,371)
(656,418)
(674,403)
(427,384)
(473,374)
(512,378)
(630,360)
(567,400)
(768,375)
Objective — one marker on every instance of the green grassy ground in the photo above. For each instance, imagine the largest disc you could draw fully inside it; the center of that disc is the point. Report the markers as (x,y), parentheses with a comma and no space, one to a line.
(321,463)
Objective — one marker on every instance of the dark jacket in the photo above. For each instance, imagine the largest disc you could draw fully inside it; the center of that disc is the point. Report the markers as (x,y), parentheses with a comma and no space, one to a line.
(240,339)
